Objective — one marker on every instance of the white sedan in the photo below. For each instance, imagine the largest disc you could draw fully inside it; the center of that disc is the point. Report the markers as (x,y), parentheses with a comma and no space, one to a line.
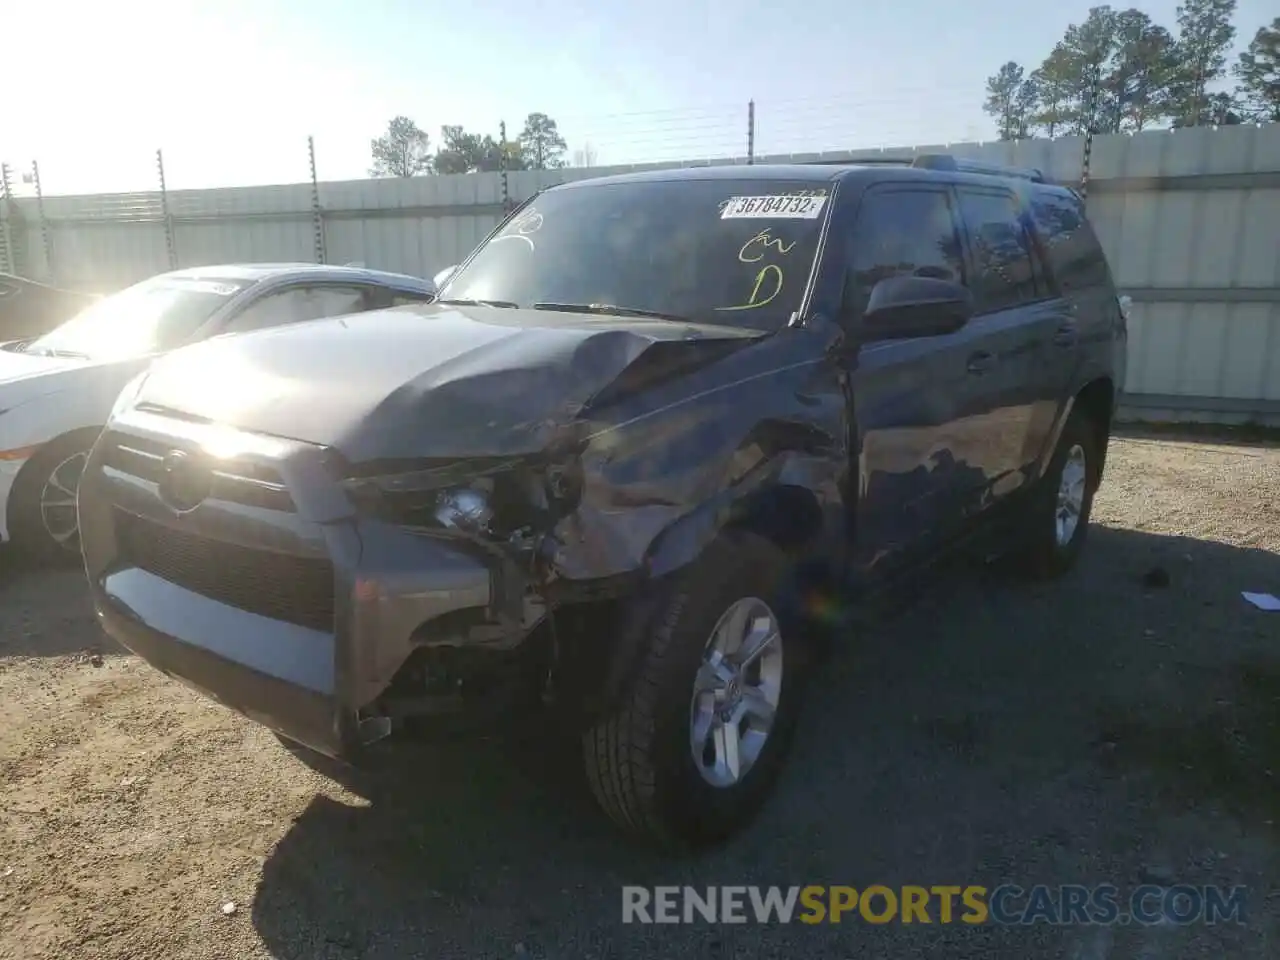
(57,390)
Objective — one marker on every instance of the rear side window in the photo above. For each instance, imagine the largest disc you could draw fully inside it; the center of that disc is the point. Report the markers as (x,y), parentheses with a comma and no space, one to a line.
(400,298)
(901,233)
(298,304)
(1075,255)
(1003,271)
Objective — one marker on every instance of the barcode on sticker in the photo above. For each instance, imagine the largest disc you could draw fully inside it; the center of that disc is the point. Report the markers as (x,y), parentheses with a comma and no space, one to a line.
(794,207)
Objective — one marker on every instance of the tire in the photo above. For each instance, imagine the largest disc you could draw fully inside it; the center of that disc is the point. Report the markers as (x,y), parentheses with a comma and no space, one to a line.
(28,504)
(1050,550)
(639,757)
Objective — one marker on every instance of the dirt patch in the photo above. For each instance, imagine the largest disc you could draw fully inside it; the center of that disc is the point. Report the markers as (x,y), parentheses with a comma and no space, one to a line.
(1117,725)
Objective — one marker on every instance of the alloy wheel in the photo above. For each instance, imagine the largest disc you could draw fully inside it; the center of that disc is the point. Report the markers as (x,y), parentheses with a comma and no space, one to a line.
(736,692)
(1071,490)
(58,502)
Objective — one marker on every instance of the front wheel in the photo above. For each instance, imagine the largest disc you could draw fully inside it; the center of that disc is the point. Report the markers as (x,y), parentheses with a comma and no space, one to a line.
(44,520)
(696,746)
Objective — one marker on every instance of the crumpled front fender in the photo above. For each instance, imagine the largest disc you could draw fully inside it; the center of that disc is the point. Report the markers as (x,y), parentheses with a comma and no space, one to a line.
(767,453)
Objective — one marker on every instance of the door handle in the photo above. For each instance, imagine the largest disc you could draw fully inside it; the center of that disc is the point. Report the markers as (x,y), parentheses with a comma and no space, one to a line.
(981,362)
(1066,335)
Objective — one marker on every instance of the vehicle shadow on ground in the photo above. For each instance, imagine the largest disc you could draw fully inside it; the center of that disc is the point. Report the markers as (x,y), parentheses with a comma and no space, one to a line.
(29,590)
(990,732)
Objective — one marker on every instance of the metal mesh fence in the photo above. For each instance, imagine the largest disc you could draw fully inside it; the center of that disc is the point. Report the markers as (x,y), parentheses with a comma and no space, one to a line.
(691,134)
(295,196)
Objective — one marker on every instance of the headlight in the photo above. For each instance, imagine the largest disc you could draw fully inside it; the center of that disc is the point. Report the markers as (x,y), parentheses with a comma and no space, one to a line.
(459,496)
(494,498)
(465,509)
(129,394)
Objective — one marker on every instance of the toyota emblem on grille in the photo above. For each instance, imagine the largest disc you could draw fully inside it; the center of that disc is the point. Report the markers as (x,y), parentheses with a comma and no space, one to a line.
(184,481)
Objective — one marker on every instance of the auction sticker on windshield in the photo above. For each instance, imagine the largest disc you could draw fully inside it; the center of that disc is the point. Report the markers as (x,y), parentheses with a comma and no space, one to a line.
(793,207)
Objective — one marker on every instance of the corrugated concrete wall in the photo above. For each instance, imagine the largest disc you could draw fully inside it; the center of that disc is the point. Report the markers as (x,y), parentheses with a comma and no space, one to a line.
(1190,220)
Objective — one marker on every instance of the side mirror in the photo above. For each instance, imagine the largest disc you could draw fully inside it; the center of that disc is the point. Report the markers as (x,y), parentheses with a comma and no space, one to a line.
(441,278)
(904,307)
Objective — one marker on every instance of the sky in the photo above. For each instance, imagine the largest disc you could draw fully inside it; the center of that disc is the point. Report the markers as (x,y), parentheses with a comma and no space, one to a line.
(231,89)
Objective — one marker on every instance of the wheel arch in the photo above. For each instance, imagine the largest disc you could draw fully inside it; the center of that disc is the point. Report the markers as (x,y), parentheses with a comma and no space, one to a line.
(38,461)
(789,516)
(1095,400)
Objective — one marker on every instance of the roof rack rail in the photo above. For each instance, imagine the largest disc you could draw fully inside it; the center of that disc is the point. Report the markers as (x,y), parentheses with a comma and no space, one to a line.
(858,161)
(945,161)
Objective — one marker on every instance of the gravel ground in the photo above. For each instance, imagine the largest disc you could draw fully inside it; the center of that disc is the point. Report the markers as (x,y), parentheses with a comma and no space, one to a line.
(1097,730)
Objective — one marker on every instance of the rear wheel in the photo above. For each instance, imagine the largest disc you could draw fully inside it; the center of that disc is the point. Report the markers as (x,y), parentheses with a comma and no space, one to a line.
(698,742)
(1059,516)
(43,516)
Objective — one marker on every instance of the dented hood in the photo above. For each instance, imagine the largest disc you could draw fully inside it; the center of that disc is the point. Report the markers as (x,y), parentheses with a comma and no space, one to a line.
(429,381)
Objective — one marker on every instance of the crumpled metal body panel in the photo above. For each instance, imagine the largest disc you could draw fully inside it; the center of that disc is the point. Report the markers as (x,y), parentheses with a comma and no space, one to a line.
(421,382)
(670,466)
(677,431)
(675,422)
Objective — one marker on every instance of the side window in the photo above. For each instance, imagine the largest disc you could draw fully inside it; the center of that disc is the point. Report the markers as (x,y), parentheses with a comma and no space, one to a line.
(901,233)
(329,301)
(297,304)
(400,298)
(1004,275)
(1075,255)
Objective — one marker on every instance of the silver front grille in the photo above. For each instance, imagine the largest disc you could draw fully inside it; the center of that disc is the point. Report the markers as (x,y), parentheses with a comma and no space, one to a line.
(235,481)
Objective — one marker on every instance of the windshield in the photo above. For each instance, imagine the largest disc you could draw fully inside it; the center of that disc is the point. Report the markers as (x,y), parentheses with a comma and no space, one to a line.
(156,314)
(710,251)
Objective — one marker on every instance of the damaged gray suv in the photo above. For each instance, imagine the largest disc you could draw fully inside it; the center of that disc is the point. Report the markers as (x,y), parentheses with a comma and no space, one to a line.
(659,433)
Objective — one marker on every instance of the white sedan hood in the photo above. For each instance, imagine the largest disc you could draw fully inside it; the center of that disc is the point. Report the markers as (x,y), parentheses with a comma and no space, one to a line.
(44,397)
(23,366)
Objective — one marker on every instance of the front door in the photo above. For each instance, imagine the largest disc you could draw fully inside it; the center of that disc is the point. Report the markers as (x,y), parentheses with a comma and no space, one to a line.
(917,404)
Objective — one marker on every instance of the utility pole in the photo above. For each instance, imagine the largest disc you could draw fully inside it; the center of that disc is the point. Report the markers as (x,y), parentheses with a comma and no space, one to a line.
(317,214)
(45,239)
(1095,84)
(502,166)
(169,240)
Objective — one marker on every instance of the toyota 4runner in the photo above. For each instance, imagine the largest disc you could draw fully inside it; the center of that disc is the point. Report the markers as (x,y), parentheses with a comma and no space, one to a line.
(654,422)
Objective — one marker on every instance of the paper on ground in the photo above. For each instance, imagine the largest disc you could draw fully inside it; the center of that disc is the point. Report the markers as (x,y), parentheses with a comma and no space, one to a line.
(1263,601)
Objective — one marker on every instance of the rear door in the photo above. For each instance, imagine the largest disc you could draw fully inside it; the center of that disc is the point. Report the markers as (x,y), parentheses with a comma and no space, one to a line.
(1079,269)
(1017,318)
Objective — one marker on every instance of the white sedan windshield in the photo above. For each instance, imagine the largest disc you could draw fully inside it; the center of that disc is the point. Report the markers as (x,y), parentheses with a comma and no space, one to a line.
(156,314)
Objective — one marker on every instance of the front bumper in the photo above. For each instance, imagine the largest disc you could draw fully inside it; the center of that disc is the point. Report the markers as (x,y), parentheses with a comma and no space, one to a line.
(271,595)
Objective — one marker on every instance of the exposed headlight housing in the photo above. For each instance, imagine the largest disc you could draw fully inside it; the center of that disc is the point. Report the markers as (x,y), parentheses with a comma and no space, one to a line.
(467,509)
(493,499)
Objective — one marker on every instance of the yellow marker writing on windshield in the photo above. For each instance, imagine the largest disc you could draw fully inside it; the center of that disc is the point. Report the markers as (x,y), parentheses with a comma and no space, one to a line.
(756,300)
(764,240)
